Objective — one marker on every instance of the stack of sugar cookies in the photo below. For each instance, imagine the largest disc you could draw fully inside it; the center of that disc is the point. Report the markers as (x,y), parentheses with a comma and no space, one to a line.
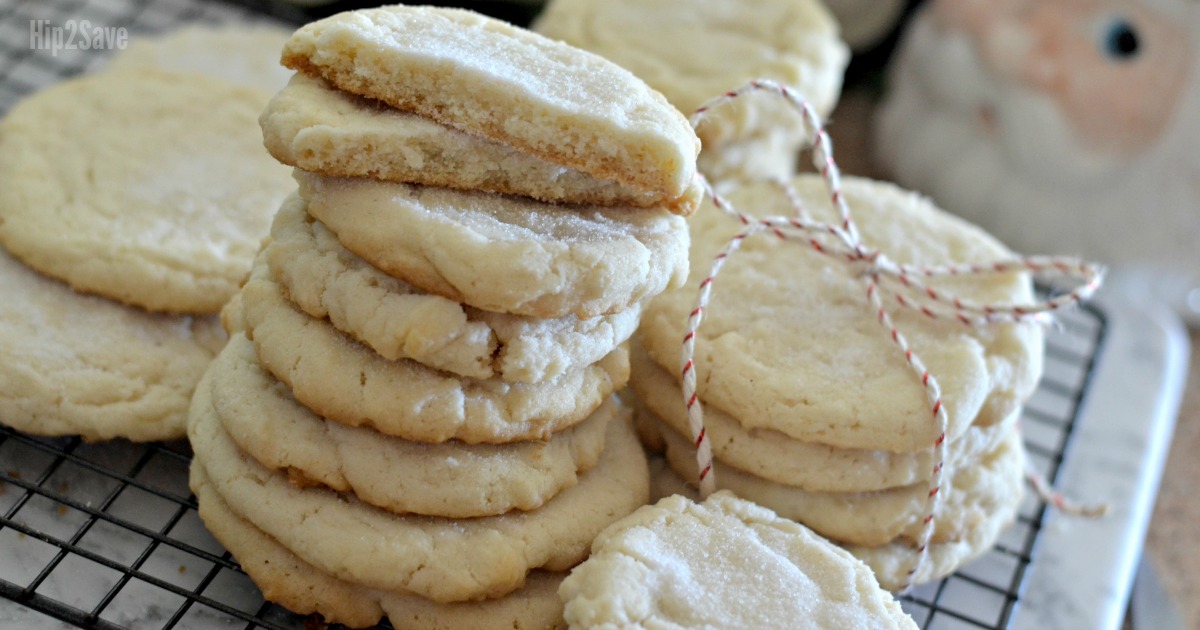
(810,406)
(415,415)
(693,50)
(132,202)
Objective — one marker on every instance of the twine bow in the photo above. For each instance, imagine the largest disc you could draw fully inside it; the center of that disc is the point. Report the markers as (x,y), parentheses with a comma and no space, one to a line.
(885,282)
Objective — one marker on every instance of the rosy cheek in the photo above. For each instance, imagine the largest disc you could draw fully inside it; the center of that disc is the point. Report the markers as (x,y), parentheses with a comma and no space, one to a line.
(1116,88)
(1121,104)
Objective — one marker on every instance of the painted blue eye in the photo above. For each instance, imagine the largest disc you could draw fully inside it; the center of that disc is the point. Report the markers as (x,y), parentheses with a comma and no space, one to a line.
(1119,40)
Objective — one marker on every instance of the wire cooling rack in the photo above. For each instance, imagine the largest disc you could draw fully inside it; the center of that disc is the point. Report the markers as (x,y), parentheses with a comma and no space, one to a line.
(107,535)
(986,592)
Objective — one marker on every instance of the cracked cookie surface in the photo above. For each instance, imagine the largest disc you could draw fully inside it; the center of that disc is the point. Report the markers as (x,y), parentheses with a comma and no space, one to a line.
(724,563)
(345,381)
(82,365)
(395,319)
(450,479)
(144,186)
(441,559)
(504,254)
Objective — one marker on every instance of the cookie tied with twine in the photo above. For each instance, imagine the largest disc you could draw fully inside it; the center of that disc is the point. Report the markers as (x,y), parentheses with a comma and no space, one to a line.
(888,288)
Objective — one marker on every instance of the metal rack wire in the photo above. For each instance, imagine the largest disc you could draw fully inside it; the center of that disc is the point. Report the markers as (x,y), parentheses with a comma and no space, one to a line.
(986,592)
(107,535)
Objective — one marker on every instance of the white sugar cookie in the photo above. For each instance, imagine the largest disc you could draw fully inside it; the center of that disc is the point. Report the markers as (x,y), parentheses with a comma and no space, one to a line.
(490,79)
(694,50)
(504,254)
(143,186)
(790,342)
(326,280)
(892,561)
(82,365)
(971,493)
(724,563)
(344,381)
(316,127)
(444,560)
(245,55)
(449,479)
(285,579)
(775,457)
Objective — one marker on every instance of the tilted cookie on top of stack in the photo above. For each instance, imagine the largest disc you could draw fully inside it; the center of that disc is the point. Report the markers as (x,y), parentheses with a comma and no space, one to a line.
(811,408)
(693,50)
(415,414)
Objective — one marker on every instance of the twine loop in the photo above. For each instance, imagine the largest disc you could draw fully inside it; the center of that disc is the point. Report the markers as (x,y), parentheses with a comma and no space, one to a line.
(887,284)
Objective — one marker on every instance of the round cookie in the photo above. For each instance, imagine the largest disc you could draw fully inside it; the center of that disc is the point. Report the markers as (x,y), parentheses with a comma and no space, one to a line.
(972,491)
(297,585)
(694,50)
(449,479)
(507,84)
(778,458)
(82,365)
(504,254)
(444,560)
(346,382)
(246,55)
(318,128)
(725,563)
(891,562)
(326,280)
(142,186)
(789,341)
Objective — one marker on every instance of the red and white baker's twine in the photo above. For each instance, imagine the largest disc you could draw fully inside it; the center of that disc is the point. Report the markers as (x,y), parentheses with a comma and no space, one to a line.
(884,280)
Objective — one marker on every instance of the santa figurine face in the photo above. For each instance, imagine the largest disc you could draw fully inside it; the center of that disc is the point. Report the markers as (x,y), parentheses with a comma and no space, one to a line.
(1063,126)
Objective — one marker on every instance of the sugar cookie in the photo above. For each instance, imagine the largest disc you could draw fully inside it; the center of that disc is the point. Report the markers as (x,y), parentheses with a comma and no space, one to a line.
(245,55)
(286,579)
(143,186)
(316,127)
(82,365)
(444,560)
(724,563)
(775,457)
(971,493)
(326,280)
(500,253)
(344,381)
(693,50)
(491,79)
(790,342)
(448,479)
